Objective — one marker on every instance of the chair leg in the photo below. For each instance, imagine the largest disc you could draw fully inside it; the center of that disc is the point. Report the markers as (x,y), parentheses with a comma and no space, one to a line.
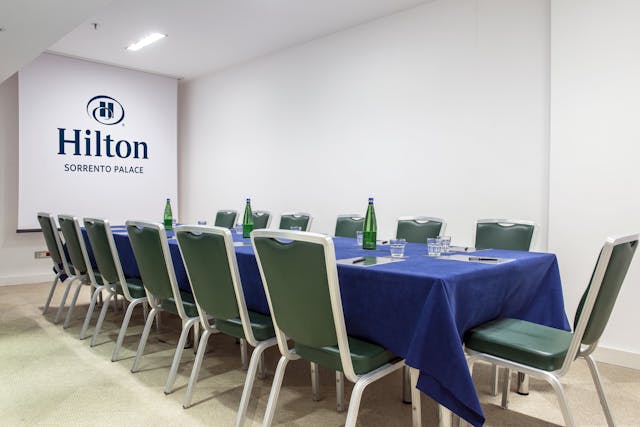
(406,385)
(275,391)
(562,399)
(256,359)
(261,372)
(143,339)
(243,353)
(595,374)
(145,310)
(72,306)
(314,382)
(416,405)
(506,386)
(63,300)
(195,371)
(168,388)
(523,384)
(103,313)
(196,337)
(339,391)
(124,326)
(494,380)
(51,291)
(92,306)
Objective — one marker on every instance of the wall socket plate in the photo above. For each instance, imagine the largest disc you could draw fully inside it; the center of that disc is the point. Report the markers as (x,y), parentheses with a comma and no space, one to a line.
(41,254)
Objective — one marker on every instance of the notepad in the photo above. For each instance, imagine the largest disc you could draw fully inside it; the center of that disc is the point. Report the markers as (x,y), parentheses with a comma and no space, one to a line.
(369,261)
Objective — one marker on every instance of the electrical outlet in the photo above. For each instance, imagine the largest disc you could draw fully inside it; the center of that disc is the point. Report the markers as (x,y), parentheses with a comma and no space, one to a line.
(41,254)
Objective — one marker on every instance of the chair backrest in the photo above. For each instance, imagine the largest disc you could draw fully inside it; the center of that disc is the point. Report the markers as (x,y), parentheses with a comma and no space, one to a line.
(75,244)
(511,234)
(348,224)
(105,252)
(295,219)
(52,239)
(261,219)
(600,296)
(226,219)
(210,261)
(418,229)
(300,279)
(151,250)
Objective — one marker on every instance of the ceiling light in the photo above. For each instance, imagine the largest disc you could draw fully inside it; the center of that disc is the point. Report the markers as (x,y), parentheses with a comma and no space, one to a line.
(151,38)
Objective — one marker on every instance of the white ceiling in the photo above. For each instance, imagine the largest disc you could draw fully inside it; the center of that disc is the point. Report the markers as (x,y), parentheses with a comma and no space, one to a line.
(30,26)
(208,35)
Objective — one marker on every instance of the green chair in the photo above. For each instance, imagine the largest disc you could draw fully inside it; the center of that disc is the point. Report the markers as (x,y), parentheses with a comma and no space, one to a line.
(300,279)
(108,262)
(56,251)
(151,250)
(261,219)
(348,224)
(226,219)
(295,219)
(210,260)
(511,234)
(417,229)
(80,263)
(548,353)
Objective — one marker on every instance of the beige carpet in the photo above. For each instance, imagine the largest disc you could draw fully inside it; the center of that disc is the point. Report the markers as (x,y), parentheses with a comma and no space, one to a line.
(49,377)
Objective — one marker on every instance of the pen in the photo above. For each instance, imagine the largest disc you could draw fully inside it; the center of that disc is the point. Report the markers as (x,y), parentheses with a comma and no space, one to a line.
(357,260)
(478,258)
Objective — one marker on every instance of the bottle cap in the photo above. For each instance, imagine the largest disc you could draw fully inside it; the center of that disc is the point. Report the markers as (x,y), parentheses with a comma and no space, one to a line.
(370,199)
(248,200)
(168,199)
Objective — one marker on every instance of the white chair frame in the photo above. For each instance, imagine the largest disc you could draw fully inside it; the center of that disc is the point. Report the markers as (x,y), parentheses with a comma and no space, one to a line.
(64,271)
(361,381)
(85,279)
(298,214)
(257,359)
(156,306)
(576,349)
(111,290)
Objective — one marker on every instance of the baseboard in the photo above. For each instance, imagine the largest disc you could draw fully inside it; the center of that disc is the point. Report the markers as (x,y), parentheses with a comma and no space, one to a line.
(617,357)
(25,280)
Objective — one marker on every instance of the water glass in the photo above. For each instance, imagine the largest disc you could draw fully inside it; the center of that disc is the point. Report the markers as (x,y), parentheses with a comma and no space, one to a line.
(397,247)
(201,222)
(295,228)
(445,242)
(359,235)
(433,247)
(239,229)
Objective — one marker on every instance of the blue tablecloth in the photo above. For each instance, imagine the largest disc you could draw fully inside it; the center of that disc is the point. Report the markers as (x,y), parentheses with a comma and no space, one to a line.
(419,308)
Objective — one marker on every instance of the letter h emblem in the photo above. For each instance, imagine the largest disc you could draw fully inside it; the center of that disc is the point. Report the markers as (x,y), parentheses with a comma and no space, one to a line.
(106,109)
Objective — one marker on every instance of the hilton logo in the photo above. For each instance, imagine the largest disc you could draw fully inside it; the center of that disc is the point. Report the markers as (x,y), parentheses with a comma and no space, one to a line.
(108,111)
(105,109)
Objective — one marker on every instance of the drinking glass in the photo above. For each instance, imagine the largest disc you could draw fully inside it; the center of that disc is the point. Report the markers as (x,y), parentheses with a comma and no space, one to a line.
(239,229)
(397,247)
(359,235)
(433,247)
(445,242)
(201,222)
(295,228)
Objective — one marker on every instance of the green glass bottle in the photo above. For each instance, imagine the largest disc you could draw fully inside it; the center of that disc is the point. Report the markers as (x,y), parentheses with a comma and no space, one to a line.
(247,220)
(168,217)
(370,228)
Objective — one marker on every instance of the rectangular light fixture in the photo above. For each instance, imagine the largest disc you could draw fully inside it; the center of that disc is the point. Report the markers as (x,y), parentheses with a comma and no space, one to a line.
(146,41)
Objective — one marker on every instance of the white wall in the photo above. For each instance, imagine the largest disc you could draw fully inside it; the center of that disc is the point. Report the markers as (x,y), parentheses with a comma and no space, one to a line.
(17,264)
(595,135)
(441,110)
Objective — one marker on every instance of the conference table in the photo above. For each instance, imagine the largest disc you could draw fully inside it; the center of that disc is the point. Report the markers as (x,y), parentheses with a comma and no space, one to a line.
(418,307)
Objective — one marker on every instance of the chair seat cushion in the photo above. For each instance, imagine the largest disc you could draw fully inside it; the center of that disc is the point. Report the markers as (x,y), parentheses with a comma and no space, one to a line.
(365,355)
(136,289)
(188,303)
(261,325)
(520,341)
